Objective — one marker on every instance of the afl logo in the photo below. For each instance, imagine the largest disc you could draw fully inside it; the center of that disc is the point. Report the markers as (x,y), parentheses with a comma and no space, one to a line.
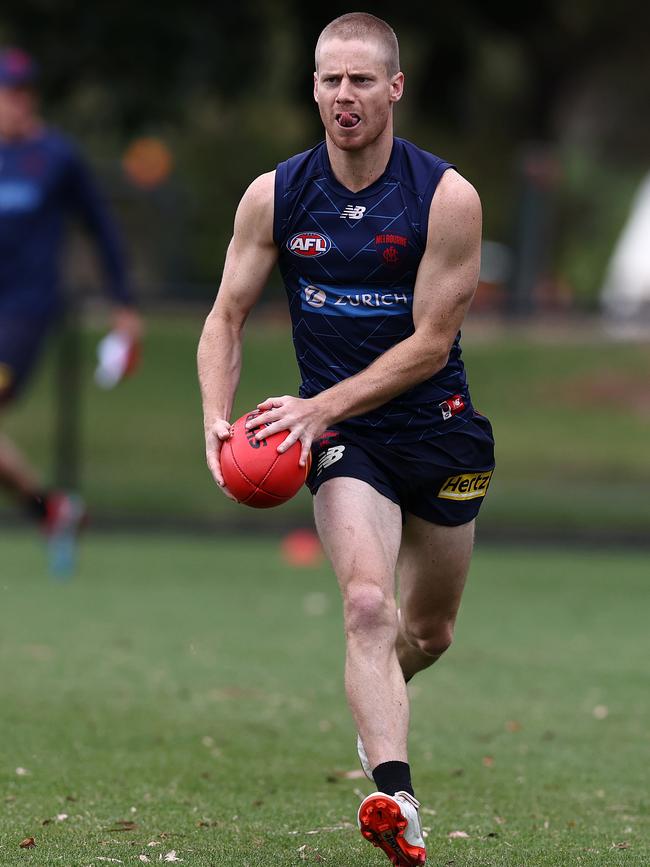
(309,244)
(314,296)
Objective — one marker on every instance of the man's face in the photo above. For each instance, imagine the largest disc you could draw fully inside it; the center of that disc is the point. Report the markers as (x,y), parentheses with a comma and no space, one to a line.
(17,107)
(354,92)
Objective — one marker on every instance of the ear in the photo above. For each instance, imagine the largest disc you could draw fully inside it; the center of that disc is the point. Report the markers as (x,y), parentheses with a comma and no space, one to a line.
(315,87)
(397,87)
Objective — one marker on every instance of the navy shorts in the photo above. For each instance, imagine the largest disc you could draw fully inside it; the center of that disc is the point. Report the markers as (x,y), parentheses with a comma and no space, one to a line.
(21,342)
(442,480)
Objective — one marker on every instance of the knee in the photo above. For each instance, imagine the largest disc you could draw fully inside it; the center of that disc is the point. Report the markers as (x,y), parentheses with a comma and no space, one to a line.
(432,638)
(368,608)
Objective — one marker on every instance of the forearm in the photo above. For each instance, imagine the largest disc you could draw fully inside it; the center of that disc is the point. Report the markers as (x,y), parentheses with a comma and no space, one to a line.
(408,363)
(219,366)
(114,263)
(86,198)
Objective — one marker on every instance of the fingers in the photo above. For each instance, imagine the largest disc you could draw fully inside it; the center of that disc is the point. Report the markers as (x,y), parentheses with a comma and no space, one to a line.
(213,457)
(220,432)
(304,453)
(291,438)
(268,411)
(271,402)
(287,414)
(262,418)
(272,428)
(222,429)
(294,437)
(214,464)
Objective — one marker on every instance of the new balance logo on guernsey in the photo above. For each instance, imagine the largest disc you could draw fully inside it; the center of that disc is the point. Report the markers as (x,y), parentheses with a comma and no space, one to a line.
(353,212)
(331,456)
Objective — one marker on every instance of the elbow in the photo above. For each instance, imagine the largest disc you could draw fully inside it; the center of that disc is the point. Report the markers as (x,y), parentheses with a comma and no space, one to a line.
(436,363)
(434,359)
(224,321)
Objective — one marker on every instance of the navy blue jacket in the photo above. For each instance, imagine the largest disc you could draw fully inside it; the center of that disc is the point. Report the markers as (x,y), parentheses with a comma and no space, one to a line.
(44,180)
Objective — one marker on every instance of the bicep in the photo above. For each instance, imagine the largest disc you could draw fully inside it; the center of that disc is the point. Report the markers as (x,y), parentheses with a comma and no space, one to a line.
(449,270)
(246,269)
(251,253)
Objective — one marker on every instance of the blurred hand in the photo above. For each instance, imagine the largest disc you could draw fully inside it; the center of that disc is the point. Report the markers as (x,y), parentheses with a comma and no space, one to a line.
(127,321)
(215,435)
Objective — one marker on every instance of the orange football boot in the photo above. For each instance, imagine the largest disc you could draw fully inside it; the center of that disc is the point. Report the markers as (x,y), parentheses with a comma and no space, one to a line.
(391,822)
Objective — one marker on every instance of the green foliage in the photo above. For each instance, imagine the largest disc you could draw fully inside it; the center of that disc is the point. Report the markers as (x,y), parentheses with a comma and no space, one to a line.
(229,89)
(185,687)
(595,201)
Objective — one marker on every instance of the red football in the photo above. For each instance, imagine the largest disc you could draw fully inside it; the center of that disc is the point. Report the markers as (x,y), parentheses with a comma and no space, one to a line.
(255,473)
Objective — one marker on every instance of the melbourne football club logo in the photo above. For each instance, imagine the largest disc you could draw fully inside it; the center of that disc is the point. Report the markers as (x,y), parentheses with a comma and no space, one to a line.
(309,244)
(314,296)
(391,248)
(353,212)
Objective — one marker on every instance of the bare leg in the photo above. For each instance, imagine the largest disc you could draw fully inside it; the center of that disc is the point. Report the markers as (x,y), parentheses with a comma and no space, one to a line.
(361,532)
(433,565)
(15,473)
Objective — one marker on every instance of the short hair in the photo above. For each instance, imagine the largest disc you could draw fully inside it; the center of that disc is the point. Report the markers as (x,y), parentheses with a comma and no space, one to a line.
(363,25)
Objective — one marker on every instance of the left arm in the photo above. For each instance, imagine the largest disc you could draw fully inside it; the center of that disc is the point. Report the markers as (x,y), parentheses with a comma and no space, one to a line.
(445,285)
(87,200)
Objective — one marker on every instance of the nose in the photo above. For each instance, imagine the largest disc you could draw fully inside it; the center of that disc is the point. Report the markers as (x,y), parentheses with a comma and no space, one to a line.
(345,91)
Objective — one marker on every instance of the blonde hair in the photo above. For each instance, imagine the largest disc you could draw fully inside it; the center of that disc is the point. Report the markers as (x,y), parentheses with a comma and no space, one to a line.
(363,25)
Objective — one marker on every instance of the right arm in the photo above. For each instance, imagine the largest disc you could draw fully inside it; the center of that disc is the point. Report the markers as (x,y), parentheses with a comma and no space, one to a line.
(251,256)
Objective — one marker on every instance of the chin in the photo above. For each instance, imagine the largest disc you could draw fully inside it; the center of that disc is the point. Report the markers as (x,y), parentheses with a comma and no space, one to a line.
(347,142)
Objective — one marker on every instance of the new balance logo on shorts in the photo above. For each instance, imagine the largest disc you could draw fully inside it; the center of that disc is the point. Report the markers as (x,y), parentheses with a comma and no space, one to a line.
(466,486)
(331,456)
(353,212)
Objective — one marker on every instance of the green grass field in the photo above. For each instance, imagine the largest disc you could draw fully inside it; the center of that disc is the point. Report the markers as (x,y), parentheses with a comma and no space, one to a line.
(185,696)
(571,419)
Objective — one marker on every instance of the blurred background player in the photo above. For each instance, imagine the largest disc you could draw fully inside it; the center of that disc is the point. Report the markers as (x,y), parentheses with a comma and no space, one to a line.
(43,180)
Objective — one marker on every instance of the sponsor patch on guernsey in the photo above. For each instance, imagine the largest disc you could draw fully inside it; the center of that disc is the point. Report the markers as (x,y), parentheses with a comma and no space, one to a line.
(309,244)
(465,486)
(343,300)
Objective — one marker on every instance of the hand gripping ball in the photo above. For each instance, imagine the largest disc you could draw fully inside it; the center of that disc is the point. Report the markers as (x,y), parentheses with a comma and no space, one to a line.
(255,473)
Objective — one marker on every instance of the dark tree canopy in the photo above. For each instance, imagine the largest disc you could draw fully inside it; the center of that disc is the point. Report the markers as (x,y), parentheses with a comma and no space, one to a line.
(228,86)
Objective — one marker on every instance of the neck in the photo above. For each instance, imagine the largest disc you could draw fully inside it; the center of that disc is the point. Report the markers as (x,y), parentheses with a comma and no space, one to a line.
(357,170)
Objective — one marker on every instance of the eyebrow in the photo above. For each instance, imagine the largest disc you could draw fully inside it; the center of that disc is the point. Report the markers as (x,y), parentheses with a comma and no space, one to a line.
(352,73)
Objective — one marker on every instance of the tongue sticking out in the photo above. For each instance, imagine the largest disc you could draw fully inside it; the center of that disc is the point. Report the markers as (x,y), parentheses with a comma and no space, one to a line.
(346,119)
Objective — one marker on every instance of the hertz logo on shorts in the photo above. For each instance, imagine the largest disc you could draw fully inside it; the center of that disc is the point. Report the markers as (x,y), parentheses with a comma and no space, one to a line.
(467,486)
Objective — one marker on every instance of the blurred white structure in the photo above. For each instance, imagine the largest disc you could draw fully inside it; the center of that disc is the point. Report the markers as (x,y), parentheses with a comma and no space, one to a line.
(626,292)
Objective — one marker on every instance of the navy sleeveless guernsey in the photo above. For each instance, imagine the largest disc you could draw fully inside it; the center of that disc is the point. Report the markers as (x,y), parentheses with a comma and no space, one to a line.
(349,263)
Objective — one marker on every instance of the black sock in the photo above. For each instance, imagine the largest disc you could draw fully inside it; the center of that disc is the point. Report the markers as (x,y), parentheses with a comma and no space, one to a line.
(36,505)
(391,777)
